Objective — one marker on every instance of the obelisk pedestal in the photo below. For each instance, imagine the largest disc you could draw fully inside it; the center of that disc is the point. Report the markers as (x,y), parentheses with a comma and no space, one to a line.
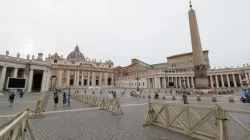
(200,69)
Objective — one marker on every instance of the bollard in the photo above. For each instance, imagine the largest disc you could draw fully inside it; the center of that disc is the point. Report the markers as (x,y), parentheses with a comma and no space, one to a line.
(231,99)
(173,97)
(198,98)
(214,99)
(163,97)
(149,96)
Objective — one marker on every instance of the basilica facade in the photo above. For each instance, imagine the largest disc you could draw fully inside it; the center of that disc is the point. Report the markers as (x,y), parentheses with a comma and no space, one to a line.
(75,71)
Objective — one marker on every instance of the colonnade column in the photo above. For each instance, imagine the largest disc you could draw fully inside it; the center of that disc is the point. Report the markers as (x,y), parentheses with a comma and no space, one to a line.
(216,80)
(112,81)
(234,81)
(188,82)
(2,78)
(44,81)
(30,80)
(48,80)
(176,84)
(68,77)
(93,78)
(211,81)
(192,81)
(247,78)
(15,72)
(106,79)
(228,82)
(240,79)
(75,76)
(222,81)
(180,82)
(60,79)
(164,82)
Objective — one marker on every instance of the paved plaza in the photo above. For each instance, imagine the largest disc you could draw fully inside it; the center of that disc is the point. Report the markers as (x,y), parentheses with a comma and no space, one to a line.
(86,122)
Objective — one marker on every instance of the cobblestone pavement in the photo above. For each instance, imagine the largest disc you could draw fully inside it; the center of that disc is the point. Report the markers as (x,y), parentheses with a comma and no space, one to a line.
(100,125)
(82,121)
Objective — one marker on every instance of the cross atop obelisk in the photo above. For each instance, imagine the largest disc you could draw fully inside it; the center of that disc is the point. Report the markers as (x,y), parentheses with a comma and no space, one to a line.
(200,70)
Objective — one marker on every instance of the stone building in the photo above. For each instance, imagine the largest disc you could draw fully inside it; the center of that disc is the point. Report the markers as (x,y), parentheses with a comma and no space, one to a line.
(75,71)
(182,75)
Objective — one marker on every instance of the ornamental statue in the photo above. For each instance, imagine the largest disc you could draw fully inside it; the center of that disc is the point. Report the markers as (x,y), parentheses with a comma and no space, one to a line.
(7,53)
(28,56)
(18,55)
(33,57)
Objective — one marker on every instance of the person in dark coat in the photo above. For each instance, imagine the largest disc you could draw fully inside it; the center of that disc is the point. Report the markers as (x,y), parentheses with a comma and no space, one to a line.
(64,98)
(184,98)
(56,97)
(11,98)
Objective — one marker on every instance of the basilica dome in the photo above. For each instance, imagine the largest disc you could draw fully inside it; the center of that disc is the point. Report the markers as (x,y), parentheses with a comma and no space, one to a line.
(76,54)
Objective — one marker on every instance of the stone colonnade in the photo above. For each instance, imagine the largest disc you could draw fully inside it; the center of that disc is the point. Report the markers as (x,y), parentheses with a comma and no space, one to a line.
(86,78)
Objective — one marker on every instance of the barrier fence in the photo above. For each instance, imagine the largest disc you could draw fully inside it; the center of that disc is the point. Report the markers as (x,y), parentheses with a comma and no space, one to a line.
(18,128)
(112,105)
(40,107)
(198,121)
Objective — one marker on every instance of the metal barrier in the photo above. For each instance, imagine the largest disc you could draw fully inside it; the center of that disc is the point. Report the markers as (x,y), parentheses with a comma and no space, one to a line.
(18,129)
(40,107)
(112,105)
(164,115)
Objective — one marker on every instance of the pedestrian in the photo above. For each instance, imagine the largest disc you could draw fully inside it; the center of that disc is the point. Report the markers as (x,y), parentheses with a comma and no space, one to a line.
(11,98)
(93,92)
(184,98)
(56,98)
(21,94)
(64,98)
(246,93)
(69,97)
(114,95)
(85,91)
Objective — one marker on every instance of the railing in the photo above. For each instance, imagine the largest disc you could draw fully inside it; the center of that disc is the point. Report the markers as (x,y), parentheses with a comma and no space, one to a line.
(18,128)
(198,121)
(40,106)
(112,105)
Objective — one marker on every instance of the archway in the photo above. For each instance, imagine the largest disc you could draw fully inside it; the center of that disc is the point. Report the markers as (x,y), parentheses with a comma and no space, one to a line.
(109,81)
(53,82)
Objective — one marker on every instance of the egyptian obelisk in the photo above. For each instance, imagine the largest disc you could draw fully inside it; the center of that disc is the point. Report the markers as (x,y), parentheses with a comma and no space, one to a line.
(200,70)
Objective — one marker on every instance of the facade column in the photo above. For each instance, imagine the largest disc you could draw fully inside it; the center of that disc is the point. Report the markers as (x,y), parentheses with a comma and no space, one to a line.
(228,82)
(75,77)
(88,79)
(93,79)
(44,81)
(188,83)
(15,72)
(164,82)
(176,84)
(192,81)
(234,81)
(2,78)
(60,79)
(30,80)
(216,80)
(82,82)
(100,79)
(222,81)
(211,81)
(68,78)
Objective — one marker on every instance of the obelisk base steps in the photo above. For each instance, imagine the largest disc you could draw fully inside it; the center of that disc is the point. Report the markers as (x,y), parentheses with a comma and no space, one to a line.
(201,83)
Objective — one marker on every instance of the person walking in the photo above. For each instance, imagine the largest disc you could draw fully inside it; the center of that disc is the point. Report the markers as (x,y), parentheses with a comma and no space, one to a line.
(56,98)
(21,94)
(64,98)
(184,98)
(69,98)
(246,93)
(11,98)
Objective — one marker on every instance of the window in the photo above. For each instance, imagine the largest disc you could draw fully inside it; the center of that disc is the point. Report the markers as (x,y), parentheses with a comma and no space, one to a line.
(55,61)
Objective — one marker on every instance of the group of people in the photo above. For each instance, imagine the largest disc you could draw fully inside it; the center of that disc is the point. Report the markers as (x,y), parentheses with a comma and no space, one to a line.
(12,96)
(247,96)
(66,98)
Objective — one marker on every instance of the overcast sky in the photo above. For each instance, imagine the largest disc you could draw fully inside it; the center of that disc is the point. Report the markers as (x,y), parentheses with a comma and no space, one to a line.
(120,30)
